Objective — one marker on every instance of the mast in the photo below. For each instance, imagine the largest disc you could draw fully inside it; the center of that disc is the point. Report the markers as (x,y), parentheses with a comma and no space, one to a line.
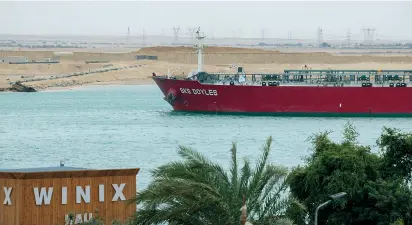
(199,47)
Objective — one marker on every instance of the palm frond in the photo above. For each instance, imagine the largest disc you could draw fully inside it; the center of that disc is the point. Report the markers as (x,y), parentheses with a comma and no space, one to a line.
(246,175)
(197,158)
(271,185)
(276,181)
(233,165)
(160,216)
(198,191)
(234,187)
(260,165)
(175,194)
(191,155)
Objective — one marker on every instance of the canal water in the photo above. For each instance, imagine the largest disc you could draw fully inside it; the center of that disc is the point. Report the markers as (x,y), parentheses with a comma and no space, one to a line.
(122,126)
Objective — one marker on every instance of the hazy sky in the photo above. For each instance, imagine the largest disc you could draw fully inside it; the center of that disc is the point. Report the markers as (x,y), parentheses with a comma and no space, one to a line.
(217,18)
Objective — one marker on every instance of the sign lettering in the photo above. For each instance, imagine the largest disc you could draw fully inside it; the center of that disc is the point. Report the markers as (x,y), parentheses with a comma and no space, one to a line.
(43,196)
(7,193)
(119,192)
(80,194)
(195,91)
(64,195)
(101,192)
(70,219)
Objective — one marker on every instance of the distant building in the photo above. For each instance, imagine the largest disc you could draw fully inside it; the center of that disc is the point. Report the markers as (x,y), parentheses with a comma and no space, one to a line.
(8,59)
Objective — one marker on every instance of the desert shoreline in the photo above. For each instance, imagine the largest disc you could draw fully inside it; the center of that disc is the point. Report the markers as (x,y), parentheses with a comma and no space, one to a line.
(87,68)
(97,85)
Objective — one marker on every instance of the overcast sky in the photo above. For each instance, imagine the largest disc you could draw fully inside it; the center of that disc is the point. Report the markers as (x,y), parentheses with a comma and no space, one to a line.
(217,18)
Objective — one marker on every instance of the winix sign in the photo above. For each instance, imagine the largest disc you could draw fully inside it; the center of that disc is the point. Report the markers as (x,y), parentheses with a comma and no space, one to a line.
(65,196)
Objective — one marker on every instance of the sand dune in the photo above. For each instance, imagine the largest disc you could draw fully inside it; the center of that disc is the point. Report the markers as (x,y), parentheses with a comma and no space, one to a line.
(213,55)
(217,59)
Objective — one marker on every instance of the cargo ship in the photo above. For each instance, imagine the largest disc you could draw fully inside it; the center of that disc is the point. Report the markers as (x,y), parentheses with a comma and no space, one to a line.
(304,92)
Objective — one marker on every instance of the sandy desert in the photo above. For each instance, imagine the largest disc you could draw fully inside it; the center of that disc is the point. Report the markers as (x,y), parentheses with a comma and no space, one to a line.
(182,60)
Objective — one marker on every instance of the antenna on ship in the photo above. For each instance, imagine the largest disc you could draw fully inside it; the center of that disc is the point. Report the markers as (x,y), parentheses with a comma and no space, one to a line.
(320,37)
(199,47)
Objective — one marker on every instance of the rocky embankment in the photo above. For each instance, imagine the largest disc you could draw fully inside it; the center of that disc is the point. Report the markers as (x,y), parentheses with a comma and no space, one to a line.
(63,84)
(19,87)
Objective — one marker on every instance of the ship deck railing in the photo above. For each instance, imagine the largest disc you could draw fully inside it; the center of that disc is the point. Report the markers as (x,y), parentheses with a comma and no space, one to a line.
(299,77)
(307,76)
(345,71)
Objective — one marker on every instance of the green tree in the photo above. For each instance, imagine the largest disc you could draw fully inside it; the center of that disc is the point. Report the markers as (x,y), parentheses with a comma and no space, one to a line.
(198,191)
(376,187)
(396,148)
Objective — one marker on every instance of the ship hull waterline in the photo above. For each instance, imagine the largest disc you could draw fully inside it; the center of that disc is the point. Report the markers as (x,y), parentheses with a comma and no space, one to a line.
(191,96)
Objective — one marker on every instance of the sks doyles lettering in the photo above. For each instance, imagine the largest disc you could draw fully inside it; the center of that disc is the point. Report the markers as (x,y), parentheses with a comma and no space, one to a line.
(196,91)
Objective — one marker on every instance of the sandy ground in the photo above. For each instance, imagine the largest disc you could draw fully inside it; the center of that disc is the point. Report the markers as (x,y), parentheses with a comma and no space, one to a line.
(179,59)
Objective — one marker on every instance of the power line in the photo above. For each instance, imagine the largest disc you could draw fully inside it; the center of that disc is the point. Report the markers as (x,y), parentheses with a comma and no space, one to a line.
(348,38)
(191,32)
(144,37)
(368,35)
(176,31)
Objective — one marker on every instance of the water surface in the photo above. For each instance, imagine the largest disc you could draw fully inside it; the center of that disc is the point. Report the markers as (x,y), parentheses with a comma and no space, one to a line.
(124,126)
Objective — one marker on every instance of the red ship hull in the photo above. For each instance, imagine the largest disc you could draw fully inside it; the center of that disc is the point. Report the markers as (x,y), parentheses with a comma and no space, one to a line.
(192,96)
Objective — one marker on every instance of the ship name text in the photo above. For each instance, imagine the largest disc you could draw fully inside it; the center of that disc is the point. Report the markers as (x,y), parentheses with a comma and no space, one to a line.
(195,91)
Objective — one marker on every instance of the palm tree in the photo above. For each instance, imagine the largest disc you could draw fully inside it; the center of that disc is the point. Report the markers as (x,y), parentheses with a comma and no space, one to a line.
(198,191)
